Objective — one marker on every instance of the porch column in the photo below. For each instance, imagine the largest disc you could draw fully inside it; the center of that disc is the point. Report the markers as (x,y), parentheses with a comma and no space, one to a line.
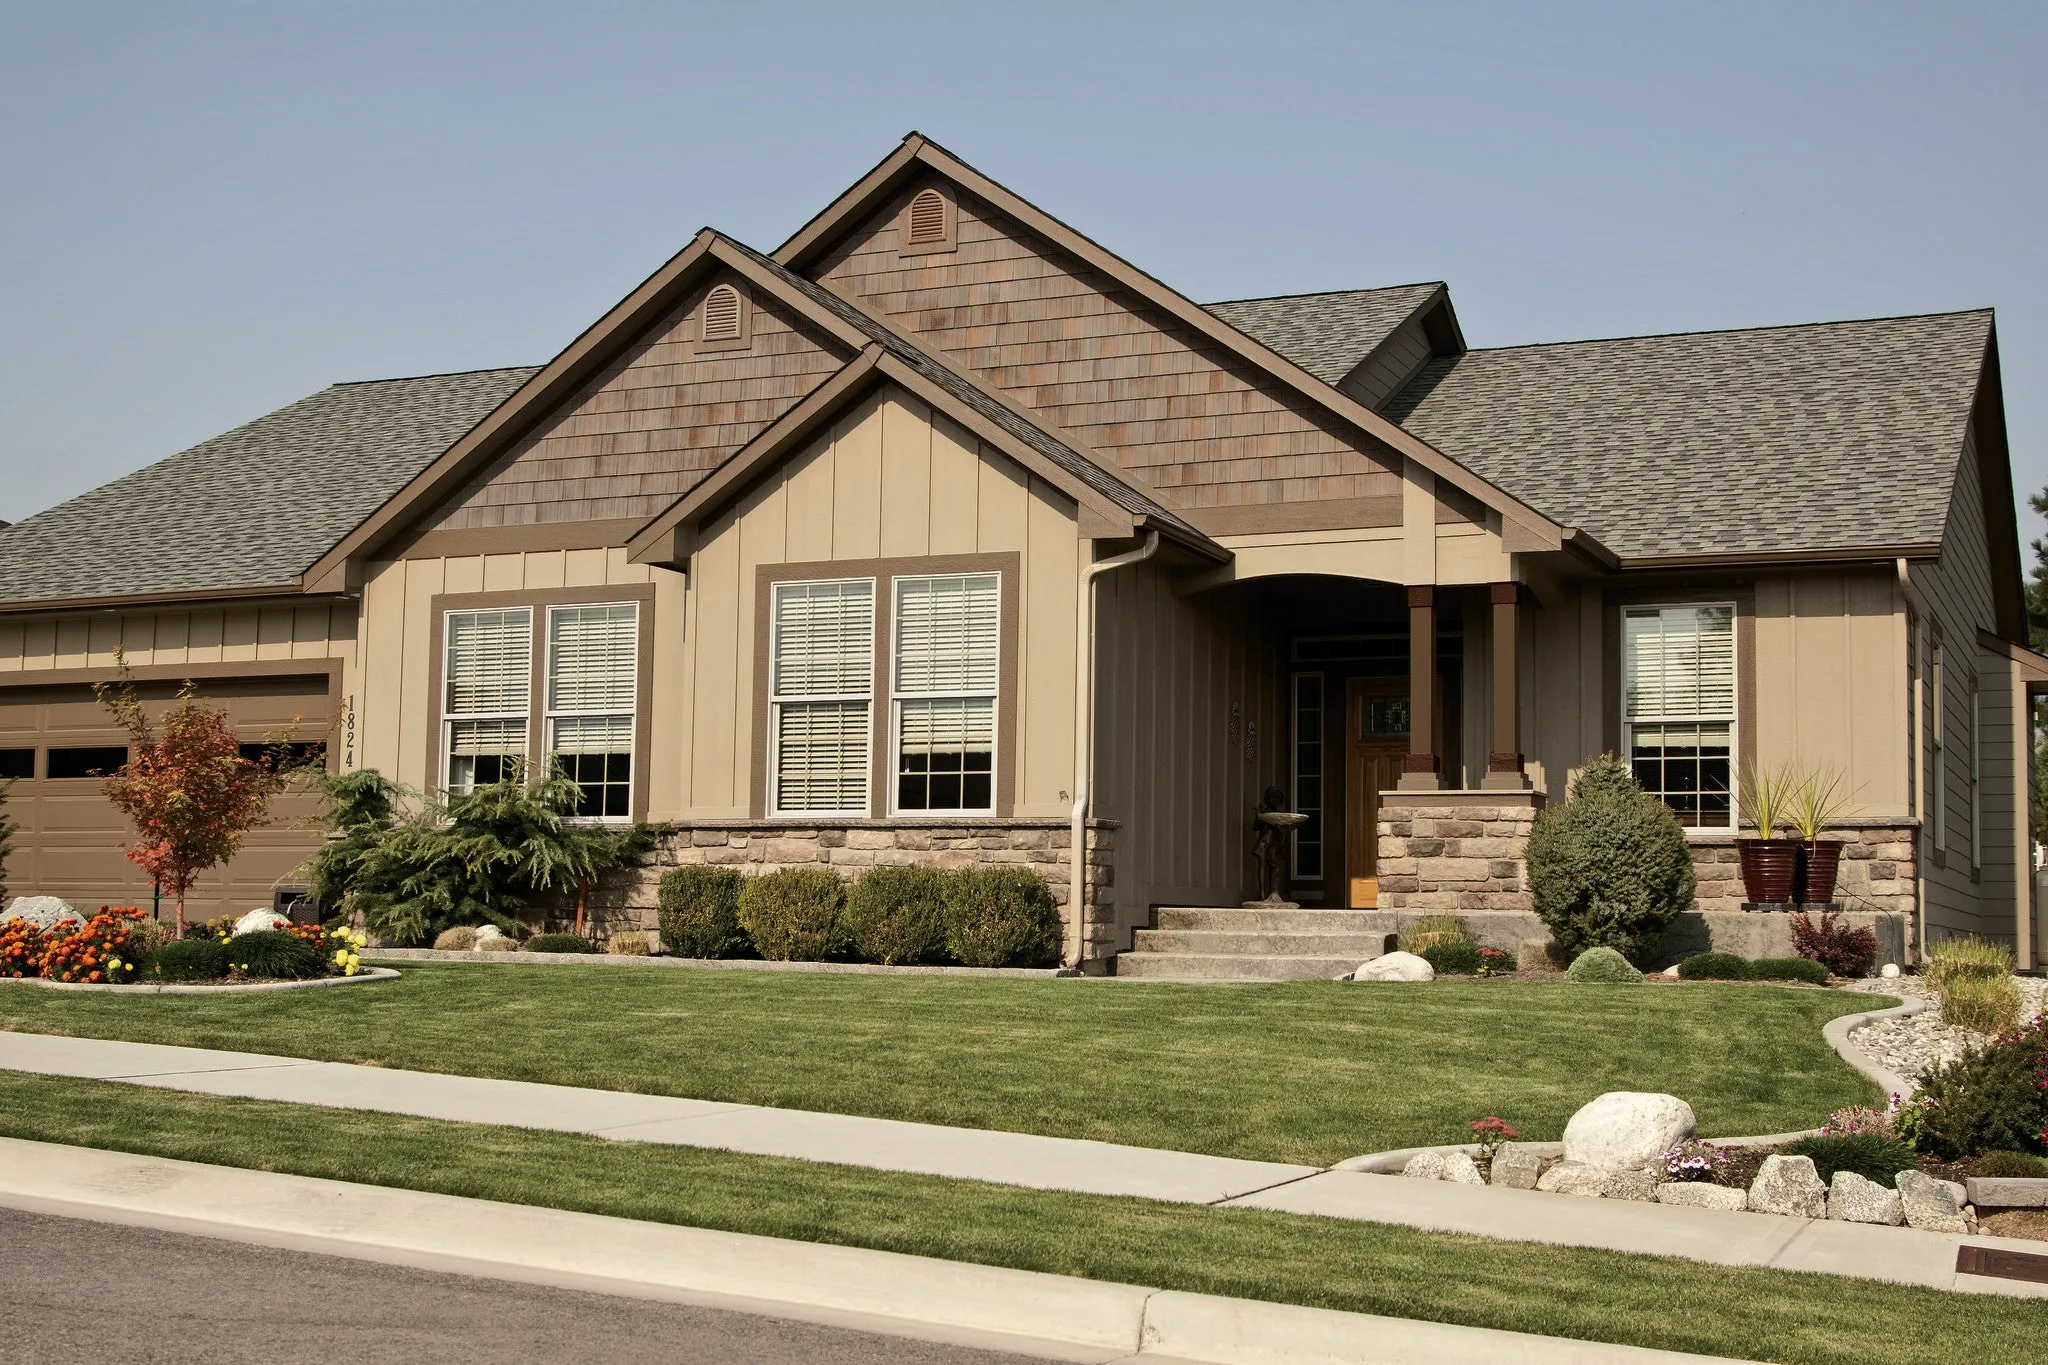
(1419,769)
(1504,756)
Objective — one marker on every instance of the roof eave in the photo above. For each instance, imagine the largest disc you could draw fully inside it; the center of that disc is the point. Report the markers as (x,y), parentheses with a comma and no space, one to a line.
(1848,554)
(30,606)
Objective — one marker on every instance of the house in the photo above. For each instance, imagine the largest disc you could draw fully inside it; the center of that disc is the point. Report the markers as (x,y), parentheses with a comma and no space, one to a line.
(945,534)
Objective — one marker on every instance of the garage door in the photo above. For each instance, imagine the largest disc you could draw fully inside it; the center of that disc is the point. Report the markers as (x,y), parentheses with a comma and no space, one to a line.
(58,744)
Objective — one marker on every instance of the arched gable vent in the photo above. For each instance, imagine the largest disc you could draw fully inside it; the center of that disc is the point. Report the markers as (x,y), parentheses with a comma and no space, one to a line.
(928,210)
(722,310)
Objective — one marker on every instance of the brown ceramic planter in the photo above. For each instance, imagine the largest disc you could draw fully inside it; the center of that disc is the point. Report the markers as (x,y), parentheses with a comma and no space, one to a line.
(1819,861)
(1768,869)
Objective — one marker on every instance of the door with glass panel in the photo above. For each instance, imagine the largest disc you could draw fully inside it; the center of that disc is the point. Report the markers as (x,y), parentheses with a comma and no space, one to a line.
(1375,741)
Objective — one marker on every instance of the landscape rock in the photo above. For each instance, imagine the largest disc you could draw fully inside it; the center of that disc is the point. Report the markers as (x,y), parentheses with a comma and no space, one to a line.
(1890,971)
(1930,1204)
(1572,1177)
(1991,1192)
(1854,1199)
(1395,967)
(1456,1167)
(487,931)
(1697,1194)
(1516,1166)
(45,912)
(1640,1186)
(1789,1185)
(1626,1130)
(258,920)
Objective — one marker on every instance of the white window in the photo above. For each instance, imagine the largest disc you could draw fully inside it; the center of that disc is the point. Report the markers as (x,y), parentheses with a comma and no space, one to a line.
(820,694)
(486,693)
(1678,707)
(947,659)
(593,679)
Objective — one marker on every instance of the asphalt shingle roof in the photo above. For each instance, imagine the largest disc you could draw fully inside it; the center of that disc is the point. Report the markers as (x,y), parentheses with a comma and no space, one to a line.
(1325,334)
(1827,436)
(256,506)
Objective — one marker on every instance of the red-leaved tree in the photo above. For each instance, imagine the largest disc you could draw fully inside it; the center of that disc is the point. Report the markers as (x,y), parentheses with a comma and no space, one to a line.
(185,787)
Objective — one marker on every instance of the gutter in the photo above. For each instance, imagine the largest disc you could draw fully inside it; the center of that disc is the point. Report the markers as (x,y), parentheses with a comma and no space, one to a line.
(1084,734)
(1914,604)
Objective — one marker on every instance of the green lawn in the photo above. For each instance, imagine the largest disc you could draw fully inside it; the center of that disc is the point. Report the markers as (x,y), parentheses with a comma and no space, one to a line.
(1312,1073)
(1362,1267)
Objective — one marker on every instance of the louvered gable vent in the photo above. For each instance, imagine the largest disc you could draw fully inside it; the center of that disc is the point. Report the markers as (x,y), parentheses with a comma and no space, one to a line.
(722,313)
(927,217)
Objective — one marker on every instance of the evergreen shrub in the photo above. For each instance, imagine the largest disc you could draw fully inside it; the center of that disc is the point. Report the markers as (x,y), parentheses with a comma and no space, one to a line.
(700,912)
(1870,1155)
(271,954)
(1789,969)
(1001,917)
(1603,967)
(190,959)
(559,943)
(1993,1098)
(1610,867)
(2009,1166)
(795,915)
(897,915)
(1715,967)
(1453,957)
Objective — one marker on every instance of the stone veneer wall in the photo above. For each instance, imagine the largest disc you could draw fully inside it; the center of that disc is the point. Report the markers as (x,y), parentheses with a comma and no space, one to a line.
(1879,870)
(849,847)
(1463,850)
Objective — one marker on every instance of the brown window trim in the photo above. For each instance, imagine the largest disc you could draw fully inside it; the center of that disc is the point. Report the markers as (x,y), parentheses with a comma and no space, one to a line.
(536,707)
(881,771)
(744,341)
(946,244)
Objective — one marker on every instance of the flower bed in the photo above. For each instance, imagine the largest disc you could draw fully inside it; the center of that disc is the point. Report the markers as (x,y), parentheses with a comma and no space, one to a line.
(123,946)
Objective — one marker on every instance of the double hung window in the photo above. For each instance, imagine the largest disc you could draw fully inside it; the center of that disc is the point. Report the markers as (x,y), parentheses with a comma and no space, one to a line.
(593,677)
(821,693)
(1678,707)
(947,659)
(486,695)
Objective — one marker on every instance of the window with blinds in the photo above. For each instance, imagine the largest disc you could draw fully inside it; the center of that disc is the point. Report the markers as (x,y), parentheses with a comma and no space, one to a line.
(487,684)
(821,689)
(1678,707)
(946,659)
(593,682)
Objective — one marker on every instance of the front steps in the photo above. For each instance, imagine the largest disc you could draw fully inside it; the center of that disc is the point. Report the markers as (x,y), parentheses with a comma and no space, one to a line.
(1196,944)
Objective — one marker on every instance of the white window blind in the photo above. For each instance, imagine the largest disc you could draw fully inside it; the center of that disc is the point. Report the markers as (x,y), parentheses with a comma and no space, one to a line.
(820,696)
(947,660)
(1678,707)
(486,695)
(593,682)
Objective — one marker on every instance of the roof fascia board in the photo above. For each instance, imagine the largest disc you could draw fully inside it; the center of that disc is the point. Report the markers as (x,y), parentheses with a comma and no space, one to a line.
(1874,554)
(2032,661)
(118,601)
(1995,494)
(916,150)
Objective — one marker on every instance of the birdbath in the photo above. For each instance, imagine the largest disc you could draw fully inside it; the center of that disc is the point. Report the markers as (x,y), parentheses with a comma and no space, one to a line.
(1270,848)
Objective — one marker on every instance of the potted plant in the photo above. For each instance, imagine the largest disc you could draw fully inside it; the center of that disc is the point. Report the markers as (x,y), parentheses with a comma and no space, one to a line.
(1769,864)
(1816,802)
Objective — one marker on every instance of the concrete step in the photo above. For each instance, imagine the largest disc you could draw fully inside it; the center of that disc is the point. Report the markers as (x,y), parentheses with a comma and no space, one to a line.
(1231,967)
(1356,947)
(1276,921)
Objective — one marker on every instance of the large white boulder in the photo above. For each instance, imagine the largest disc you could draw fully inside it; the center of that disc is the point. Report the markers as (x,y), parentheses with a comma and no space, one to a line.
(1395,967)
(1626,1130)
(257,920)
(486,932)
(45,912)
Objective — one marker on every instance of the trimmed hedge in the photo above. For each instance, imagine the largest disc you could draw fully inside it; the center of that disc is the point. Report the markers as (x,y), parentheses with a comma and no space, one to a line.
(1790,969)
(559,943)
(795,915)
(192,959)
(897,916)
(1001,917)
(1609,868)
(1603,967)
(1715,967)
(700,912)
(272,954)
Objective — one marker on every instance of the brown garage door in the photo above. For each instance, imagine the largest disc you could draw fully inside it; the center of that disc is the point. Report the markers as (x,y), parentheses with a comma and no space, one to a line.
(70,841)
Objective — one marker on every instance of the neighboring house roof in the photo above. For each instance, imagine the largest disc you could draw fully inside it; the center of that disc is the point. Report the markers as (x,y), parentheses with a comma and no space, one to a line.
(252,508)
(1326,334)
(1829,436)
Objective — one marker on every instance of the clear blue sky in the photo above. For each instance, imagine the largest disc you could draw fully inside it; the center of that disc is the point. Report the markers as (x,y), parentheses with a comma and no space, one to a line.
(207,211)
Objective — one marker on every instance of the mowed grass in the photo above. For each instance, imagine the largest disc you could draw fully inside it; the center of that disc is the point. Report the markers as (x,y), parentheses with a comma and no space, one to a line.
(1312,1072)
(1287,1258)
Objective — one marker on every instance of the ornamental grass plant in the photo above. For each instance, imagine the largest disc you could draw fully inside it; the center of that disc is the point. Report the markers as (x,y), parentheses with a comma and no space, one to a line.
(1874,1156)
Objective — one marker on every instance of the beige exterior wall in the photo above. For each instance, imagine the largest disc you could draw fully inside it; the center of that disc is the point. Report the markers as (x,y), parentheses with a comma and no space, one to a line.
(234,633)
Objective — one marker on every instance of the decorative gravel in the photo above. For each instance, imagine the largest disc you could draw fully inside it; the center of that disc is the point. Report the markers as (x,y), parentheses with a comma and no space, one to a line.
(1911,1045)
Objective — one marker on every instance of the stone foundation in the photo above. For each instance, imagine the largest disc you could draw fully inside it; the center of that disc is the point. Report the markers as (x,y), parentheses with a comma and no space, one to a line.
(1879,870)
(1455,850)
(849,847)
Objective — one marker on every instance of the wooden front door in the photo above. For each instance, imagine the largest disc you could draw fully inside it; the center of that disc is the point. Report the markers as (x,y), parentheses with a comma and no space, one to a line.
(1375,741)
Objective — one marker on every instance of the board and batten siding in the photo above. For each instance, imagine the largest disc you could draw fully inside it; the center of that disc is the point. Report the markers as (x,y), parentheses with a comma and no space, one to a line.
(890,480)
(198,635)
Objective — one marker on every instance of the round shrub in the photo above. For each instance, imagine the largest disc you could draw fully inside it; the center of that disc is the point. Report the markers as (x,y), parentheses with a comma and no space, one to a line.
(273,955)
(1870,1155)
(1610,867)
(1990,1099)
(700,912)
(1453,957)
(191,959)
(795,915)
(1790,969)
(1715,967)
(1603,967)
(558,943)
(1001,917)
(897,915)
(2009,1166)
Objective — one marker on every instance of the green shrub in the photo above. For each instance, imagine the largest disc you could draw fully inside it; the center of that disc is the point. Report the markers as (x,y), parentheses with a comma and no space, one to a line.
(1605,967)
(1987,1005)
(273,954)
(191,959)
(1430,930)
(1001,917)
(1453,957)
(1715,967)
(700,912)
(559,943)
(897,915)
(1870,1155)
(1990,1099)
(1610,867)
(795,915)
(2009,1166)
(1789,969)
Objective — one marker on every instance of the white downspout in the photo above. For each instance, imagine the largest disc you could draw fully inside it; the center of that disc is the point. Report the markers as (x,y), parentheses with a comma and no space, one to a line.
(1084,736)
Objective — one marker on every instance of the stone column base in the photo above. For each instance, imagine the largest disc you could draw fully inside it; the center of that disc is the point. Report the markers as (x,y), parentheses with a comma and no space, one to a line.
(1456,850)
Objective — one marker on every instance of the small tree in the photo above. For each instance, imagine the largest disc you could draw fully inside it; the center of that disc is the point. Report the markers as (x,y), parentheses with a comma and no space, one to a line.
(190,794)
(1610,867)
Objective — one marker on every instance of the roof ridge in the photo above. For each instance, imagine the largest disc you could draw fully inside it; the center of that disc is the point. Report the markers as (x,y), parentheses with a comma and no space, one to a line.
(1723,331)
(1331,293)
(437,374)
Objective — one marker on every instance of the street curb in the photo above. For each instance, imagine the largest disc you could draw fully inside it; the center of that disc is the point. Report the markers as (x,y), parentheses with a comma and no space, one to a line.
(714,964)
(362,978)
(1836,1031)
(1077,1319)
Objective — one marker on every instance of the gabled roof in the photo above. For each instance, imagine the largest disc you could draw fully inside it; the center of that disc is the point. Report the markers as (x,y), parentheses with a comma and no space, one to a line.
(1841,436)
(1328,334)
(252,508)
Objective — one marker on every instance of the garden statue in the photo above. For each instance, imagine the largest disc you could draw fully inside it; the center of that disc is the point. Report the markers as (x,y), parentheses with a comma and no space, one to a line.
(1270,825)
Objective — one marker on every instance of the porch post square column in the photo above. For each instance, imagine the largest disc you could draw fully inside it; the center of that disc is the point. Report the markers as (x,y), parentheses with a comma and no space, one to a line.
(1419,768)
(1504,757)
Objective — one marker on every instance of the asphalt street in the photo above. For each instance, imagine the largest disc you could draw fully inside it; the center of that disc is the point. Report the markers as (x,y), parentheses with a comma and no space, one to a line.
(72,1290)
